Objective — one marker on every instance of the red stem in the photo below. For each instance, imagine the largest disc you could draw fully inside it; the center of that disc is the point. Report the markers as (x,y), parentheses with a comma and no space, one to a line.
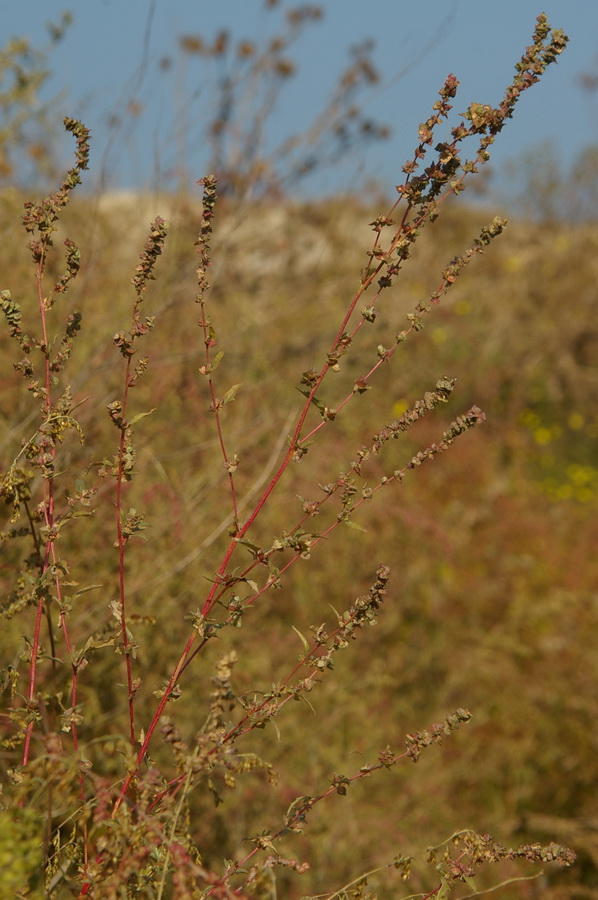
(121,554)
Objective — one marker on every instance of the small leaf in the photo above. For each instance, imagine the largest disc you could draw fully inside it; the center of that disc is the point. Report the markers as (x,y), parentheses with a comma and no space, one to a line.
(217,360)
(302,638)
(336,613)
(355,526)
(248,544)
(305,700)
(444,891)
(230,394)
(97,643)
(140,416)
(115,608)
(90,587)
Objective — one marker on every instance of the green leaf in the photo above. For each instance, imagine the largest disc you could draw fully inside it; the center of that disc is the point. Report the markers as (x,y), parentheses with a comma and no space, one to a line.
(96,643)
(246,543)
(355,526)
(90,587)
(230,394)
(140,416)
(445,889)
(302,638)
(217,360)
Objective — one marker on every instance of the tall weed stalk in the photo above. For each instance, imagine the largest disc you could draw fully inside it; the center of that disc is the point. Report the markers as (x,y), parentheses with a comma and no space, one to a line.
(97,812)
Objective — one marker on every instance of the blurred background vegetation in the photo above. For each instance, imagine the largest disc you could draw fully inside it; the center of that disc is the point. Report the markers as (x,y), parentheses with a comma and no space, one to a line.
(493,601)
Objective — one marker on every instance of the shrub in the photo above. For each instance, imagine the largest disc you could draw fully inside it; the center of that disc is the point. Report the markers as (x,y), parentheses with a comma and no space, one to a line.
(120,759)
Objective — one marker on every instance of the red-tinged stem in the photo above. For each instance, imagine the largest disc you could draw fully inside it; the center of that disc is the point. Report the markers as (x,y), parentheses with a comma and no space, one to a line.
(50,554)
(155,720)
(209,343)
(231,478)
(121,556)
(48,512)
(32,675)
(211,599)
(331,790)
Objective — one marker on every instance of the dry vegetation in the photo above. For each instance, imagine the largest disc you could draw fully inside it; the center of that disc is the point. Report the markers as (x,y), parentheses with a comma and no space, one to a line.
(491,604)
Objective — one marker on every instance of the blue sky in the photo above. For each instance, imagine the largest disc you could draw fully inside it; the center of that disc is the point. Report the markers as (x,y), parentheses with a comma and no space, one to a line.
(112,55)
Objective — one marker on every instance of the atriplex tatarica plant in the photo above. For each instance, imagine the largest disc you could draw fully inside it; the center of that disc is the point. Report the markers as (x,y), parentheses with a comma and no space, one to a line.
(117,808)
